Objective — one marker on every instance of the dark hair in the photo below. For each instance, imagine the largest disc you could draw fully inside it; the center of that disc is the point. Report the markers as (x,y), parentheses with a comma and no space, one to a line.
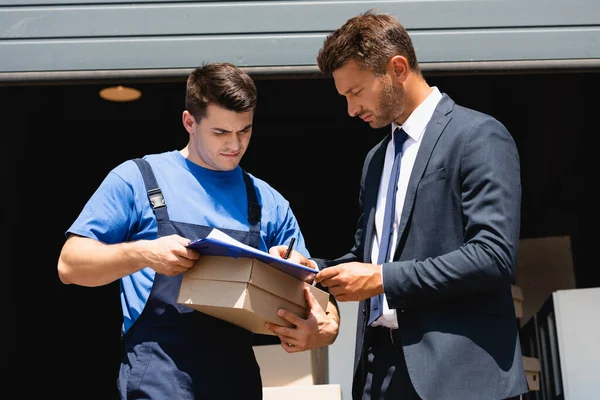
(371,39)
(221,84)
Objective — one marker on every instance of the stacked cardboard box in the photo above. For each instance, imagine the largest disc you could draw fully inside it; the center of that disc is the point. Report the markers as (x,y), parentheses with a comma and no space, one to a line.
(245,292)
(291,376)
(280,368)
(315,392)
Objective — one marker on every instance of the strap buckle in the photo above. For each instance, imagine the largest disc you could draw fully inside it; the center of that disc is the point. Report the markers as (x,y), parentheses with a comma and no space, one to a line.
(156,198)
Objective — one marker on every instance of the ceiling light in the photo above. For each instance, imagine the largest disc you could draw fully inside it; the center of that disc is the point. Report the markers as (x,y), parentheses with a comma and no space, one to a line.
(120,93)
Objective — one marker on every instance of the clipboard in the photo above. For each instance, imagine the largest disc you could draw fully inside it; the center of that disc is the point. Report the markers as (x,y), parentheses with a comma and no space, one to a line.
(218,243)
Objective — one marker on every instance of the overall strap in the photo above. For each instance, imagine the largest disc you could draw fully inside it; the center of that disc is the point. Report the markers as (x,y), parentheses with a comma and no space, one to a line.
(155,195)
(254,209)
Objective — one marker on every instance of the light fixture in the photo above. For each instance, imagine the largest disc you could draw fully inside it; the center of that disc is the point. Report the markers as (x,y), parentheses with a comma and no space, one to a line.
(120,93)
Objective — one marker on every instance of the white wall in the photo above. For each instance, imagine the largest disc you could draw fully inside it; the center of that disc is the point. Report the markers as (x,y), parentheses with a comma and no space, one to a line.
(578,335)
(341,353)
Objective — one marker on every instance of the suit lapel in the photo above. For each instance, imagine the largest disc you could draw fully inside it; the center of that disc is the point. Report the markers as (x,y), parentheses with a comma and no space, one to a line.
(435,127)
(371,190)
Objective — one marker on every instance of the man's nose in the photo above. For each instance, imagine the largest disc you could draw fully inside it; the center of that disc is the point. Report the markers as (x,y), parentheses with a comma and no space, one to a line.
(353,109)
(235,144)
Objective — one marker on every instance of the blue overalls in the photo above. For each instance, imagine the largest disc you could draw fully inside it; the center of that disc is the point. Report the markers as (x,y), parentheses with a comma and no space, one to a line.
(175,352)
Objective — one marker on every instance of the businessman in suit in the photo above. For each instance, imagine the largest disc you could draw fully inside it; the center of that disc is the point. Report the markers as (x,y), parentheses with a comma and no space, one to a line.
(436,318)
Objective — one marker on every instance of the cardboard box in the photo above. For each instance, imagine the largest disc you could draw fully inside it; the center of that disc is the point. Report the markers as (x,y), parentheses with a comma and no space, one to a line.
(532,372)
(314,392)
(280,368)
(517,295)
(544,265)
(245,292)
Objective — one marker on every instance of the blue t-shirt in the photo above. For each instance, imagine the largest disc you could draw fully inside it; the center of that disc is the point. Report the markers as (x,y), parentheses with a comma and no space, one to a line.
(120,211)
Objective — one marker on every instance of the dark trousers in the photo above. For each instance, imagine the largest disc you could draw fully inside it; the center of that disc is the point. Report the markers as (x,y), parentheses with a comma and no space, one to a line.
(387,375)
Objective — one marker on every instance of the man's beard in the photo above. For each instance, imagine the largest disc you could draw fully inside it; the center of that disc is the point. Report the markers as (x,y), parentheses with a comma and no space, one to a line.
(389,105)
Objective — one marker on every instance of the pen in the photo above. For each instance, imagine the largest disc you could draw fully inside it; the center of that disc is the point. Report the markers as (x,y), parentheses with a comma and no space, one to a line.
(290,246)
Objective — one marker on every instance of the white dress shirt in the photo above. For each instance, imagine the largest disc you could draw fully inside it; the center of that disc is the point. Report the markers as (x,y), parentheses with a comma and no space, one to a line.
(414,126)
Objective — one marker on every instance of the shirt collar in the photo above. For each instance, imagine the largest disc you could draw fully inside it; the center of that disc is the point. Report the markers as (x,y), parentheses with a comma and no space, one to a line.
(415,124)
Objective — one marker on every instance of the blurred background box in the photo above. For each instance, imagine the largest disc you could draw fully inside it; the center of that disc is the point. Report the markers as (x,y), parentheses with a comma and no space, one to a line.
(544,265)
(303,392)
(280,368)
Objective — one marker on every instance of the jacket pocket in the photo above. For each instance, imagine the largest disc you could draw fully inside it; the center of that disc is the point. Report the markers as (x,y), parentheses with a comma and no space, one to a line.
(432,177)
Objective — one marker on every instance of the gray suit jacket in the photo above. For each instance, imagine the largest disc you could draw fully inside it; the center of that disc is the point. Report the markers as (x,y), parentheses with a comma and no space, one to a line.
(454,260)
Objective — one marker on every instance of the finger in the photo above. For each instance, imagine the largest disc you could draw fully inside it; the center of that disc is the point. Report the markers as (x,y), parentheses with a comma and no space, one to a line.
(290,344)
(288,339)
(191,254)
(184,253)
(278,251)
(286,342)
(331,282)
(290,348)
(185,263)
(298,258)
(326,282)
(313,304)
(284,333)
(181,240)
(327,273)
(337,291)
(342,297)
(290,317)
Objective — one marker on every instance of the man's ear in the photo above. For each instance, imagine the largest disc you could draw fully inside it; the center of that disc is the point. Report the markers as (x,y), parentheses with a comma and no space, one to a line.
(188,121)
(399,68)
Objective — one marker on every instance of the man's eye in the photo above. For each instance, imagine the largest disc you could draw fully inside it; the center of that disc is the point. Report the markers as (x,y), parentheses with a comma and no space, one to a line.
(356,93)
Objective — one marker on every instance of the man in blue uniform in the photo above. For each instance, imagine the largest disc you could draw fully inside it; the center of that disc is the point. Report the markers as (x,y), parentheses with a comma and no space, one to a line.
(135,229)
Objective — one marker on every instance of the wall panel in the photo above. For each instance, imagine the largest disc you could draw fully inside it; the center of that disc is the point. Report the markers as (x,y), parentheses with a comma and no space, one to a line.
(40,36)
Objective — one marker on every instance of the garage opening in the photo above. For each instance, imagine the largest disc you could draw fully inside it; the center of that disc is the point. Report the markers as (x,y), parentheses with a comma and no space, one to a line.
(60,139)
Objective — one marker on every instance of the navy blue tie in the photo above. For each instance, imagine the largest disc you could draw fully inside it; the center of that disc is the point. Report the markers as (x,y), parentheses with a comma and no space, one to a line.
(388,219)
